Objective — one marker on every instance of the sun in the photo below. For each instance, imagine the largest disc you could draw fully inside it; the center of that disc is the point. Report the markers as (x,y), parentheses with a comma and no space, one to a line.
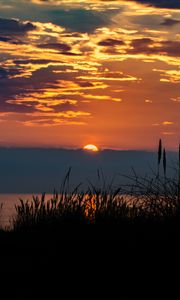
(91,147)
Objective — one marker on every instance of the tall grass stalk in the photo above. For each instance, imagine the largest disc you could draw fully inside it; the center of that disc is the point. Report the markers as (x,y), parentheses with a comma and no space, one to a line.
(159,157)
(179,174)
(158,163)
(164,162)
(1,206)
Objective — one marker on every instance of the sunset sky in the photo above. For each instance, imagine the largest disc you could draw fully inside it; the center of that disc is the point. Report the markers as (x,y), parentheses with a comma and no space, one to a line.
(89,72)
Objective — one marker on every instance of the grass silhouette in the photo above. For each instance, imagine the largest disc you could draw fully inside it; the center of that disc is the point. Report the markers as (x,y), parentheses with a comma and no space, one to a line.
(146,205)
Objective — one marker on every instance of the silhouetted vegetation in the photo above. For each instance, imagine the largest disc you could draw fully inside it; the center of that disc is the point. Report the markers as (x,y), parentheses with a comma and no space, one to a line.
(147,204)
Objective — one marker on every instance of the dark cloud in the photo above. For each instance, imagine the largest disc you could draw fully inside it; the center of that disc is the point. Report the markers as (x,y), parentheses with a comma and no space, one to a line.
(148,46)
(3,73)
(62,47)
(71,53)
(162,3)
(18,88)
(111,42)
(4,39)
(141,43)
(6,73)
(171,47)
(33,61)
(158,3)
(12,40)
(85,84)
(12,26)
(170,22)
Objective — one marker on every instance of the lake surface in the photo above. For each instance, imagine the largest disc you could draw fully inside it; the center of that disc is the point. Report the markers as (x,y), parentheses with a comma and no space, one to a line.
(8,210)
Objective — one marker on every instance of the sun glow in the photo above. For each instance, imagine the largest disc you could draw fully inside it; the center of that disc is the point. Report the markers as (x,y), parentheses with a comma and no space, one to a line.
(91,147)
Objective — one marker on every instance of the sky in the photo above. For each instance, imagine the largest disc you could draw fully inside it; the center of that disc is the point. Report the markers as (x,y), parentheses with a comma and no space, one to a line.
(99,72)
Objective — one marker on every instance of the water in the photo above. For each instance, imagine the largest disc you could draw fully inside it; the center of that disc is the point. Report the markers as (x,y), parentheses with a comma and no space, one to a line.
(8,210)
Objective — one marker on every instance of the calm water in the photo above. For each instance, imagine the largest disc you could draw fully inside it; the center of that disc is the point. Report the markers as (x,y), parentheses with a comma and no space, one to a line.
(8,209)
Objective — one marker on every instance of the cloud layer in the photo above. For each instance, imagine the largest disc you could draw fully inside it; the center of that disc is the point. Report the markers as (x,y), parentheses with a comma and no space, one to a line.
(99,69)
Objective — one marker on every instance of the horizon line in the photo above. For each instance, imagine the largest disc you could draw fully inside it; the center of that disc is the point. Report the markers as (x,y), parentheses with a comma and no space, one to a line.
(81,149)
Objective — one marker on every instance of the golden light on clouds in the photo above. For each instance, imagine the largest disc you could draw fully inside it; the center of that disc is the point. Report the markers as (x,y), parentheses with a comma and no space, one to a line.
(168,123)
(81,69)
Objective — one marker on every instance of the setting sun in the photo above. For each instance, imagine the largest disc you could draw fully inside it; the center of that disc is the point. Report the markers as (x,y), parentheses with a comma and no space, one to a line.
(91,147)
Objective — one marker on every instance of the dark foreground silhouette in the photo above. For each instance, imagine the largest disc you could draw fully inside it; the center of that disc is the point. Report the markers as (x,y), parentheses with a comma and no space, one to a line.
(128,260)
(124,241)
(125,256)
